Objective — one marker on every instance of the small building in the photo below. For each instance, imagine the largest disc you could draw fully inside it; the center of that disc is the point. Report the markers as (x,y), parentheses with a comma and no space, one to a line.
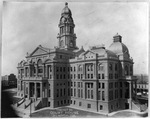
(5,80)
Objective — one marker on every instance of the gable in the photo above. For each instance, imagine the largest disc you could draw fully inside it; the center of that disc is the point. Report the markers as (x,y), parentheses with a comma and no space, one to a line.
(38,51)
(89,55)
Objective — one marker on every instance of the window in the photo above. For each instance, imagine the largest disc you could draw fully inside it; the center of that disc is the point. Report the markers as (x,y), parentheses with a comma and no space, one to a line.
(68,92)
(100,67)
(74,92)
(110,67)
(99,95)
(49,93)
(88,105)
(60,76)
(99,85)
(99,76)
(64,76)
(74,68)
(88,93)
(78,92)
(103,76)
(91,76)
(91,94)
(60,69)
(103,95)
(74,102)
(78,76)
(103,85)
(116,67)
(101,107)
(80,104)
(74,84)
(60,92)
(92,67)
(81,93)
(64,69)
(88,76)
(79,84)
(71,92)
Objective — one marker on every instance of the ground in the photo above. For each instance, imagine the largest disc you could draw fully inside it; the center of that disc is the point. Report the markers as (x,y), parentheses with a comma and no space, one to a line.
(65,112)
(70,112)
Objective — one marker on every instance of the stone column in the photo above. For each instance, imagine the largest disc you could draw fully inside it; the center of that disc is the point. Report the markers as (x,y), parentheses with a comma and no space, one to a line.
(29,73)
(84,71)
(135,90)
(41,90)
(29,90)
(46,71)
(43,70)
(35,91)
(36,68)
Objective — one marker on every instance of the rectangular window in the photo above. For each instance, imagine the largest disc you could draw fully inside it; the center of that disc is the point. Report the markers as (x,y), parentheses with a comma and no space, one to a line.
(99,76)
(81,84)
(88,105)
(71,92)
(88,76)
(64,69)
(60,69)
(81,76)
(91,76)
(91,94)
(103,85)
(74,84)
(101,107)
(78,76)
(74,76)
(74,92)
(68,91)
(103,76)
(103,95)
(88,93)
(78,84)
(99,85)
(81,93)
(80,104)
(120,84)
(78,92)
(91,85)
(64,76)
(99,95)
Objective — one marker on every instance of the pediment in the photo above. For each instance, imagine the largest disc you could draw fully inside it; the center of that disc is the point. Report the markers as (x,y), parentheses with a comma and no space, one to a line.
(38,51)
(89,54)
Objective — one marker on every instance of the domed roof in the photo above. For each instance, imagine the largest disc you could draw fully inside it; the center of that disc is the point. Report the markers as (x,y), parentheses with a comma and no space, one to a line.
(118,48)
(66,10)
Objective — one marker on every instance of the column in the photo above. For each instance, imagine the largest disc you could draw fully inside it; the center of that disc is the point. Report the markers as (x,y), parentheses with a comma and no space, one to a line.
(130,90)
(36,68)
(135,90)
(46,71)
(28,90)
(35,91)
(41,90)
(84,70)
(29,73)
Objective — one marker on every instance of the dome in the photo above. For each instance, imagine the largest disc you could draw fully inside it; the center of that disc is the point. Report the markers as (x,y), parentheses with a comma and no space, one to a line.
(118,48)
(66,10)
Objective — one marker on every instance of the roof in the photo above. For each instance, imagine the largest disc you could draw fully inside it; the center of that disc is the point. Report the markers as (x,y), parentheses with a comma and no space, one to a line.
(118,48)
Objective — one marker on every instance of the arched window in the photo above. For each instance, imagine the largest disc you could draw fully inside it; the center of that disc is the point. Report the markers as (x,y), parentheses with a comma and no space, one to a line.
(126,70)
(116,67)
(100,67)
(79,68)
(91,67)
(110,67)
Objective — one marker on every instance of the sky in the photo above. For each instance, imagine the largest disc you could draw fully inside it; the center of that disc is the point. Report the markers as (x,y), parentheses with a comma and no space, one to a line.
(26,25)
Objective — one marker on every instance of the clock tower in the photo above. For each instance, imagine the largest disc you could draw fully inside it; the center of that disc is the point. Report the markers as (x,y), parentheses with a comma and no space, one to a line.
(66,35)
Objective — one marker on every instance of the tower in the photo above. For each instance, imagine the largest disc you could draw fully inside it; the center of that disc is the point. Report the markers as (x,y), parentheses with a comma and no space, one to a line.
(66,36)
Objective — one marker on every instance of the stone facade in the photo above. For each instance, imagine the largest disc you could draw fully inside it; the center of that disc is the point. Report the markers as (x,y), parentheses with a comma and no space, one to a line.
(98,79)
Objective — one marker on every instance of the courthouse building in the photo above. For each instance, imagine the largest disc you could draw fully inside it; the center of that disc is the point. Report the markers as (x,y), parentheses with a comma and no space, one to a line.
(98,79)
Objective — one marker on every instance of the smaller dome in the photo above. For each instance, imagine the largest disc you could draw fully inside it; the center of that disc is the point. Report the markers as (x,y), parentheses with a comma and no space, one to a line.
(66,10)
(118,48)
